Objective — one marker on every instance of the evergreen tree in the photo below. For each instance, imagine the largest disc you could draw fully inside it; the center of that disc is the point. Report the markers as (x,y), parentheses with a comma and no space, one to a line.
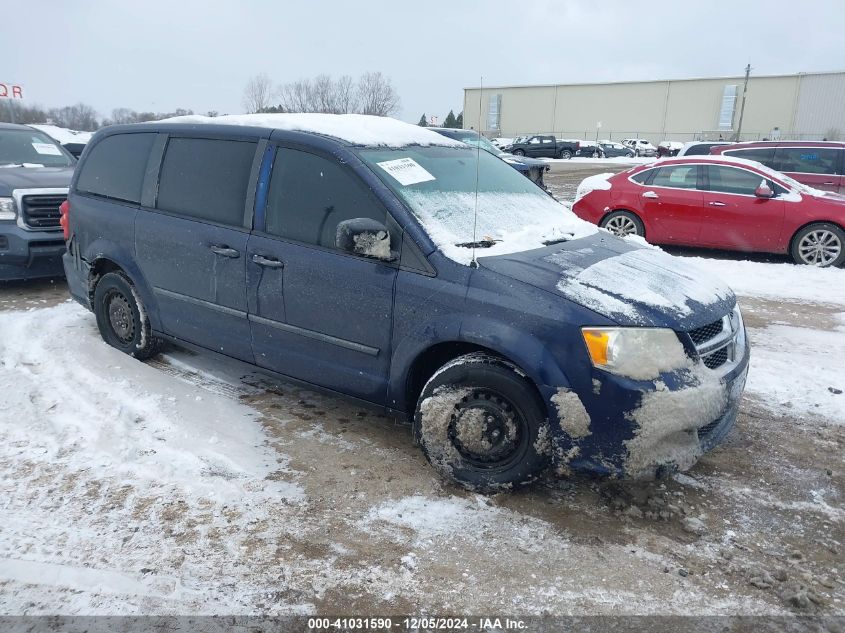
(423,122)
(459,122)
(450,120)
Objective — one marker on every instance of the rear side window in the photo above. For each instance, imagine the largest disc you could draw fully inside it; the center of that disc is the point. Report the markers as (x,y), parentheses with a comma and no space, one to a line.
(115,167)
(206,179)
(733,180)
(310,195)
(765,155)
(808,160)
(679,176)
(643,176)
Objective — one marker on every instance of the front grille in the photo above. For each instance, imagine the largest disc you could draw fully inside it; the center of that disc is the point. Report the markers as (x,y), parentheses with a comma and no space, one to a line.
(42,211)
(706,332)
(716,359)
(719,344)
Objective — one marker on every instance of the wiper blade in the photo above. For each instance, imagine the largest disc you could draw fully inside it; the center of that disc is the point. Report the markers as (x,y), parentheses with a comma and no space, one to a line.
(558,240)
(486,243)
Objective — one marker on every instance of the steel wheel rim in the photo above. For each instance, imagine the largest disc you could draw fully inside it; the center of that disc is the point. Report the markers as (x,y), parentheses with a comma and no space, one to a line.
(121,318)
(504,431)
(820,248)
(621,225)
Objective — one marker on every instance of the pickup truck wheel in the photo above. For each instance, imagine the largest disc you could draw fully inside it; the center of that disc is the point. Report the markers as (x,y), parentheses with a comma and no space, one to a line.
(595,155)
(623,223)
(481,424)
(821,244)
(566,154)
(518,152)
(121,317)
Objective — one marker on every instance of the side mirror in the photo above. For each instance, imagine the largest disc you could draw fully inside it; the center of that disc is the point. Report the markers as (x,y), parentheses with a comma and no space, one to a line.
(763,190)
(365,237)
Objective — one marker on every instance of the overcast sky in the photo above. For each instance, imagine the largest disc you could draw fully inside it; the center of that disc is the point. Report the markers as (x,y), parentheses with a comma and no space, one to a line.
(154,55)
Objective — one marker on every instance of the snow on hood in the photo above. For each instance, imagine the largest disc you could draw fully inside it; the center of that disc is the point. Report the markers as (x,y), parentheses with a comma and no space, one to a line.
(622,281)
(592,183)
(358,129)
(618,285)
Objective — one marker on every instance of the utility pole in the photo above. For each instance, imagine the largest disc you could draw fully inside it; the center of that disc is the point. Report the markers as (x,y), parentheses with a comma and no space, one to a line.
(742,107)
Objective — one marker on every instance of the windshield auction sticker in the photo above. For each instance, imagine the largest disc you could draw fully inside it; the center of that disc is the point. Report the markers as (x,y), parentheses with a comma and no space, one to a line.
(406,170)
(47,148)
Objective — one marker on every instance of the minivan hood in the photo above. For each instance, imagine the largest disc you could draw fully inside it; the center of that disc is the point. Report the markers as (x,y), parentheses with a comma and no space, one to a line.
(631,284)
(33,178)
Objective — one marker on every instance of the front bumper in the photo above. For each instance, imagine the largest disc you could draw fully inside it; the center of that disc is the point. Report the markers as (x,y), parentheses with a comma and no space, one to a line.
(26,254)
(649,429)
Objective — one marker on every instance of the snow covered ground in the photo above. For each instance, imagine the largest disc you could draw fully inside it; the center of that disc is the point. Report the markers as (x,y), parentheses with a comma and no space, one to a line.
(62,134)
(190,485)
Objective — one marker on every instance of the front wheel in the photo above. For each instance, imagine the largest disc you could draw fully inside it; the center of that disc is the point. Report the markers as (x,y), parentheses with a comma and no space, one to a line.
(481,424)
(121,317)
(518,152)
(623,224)
(821,245)
(566,154)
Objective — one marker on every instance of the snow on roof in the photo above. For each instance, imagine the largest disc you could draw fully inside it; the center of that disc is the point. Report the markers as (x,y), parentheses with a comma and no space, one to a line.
(357,129)
(63,135)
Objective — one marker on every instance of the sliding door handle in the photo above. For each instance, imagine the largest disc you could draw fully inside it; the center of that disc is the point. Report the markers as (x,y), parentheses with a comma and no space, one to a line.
(224,251)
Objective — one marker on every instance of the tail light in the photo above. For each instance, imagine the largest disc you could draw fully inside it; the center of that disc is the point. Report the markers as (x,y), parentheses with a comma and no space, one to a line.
(577,145)
(64,220)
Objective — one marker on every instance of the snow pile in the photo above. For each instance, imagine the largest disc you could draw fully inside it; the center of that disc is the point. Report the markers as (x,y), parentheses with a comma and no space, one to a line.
(357,129)
(618,285)
(160,433)
(776,281)
(516,221)
(598,182)
(63,135)
(798,371)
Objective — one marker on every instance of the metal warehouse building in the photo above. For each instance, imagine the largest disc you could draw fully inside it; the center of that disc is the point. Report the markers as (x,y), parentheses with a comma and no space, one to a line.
(806,106)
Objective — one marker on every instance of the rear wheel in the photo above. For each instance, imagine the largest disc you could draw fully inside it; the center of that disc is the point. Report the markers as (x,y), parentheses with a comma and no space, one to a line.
(595,155)
(121,317)
(821,245)
(623,223)
(481,424)
(566,154)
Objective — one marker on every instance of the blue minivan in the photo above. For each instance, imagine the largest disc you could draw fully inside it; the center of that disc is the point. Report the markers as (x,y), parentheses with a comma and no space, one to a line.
(387,263)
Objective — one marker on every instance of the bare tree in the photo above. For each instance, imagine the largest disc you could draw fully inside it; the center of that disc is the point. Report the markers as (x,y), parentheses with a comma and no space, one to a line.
(76,117)
(257,93)
(123,115)
(376,95)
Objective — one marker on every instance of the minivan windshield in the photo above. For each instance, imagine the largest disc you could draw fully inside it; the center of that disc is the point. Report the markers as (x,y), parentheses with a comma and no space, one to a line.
(438,184)
(20,148)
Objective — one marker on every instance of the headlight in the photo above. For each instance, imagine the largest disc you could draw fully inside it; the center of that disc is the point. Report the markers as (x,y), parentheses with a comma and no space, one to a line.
(7,209)
(637,353)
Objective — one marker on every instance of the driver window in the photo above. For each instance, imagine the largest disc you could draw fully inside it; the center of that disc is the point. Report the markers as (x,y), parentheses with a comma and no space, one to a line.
(310,195)
(732,180)
(534,141)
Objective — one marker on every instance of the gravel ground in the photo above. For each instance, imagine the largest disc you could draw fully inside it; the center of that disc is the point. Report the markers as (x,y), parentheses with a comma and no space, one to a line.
(310,504)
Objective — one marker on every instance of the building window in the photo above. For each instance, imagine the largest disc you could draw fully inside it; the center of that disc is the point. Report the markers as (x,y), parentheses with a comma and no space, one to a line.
(494,112)
(726,112)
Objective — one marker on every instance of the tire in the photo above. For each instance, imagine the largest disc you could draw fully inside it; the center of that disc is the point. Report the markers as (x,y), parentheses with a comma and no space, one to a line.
(595,155)
(821,244)
(519,152)
(623,223)
(565,154)
(121,318)
(481,424)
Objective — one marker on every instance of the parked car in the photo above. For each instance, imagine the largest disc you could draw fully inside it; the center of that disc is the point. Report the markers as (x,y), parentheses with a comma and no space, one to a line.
(718,202)
(610,149)
(819,164)
(542,146)
(586,149)
(35,172)
(700,148)
(669,148)
(532,168)
(641,146)
(387,263)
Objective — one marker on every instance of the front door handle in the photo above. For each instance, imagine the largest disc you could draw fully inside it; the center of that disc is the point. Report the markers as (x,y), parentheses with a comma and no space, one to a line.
(269,262)
(829,183)
(650,194)
(224,251)
(716,203)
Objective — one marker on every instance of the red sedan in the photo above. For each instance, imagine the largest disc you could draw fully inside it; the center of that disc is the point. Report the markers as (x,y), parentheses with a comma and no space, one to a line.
(718,202)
